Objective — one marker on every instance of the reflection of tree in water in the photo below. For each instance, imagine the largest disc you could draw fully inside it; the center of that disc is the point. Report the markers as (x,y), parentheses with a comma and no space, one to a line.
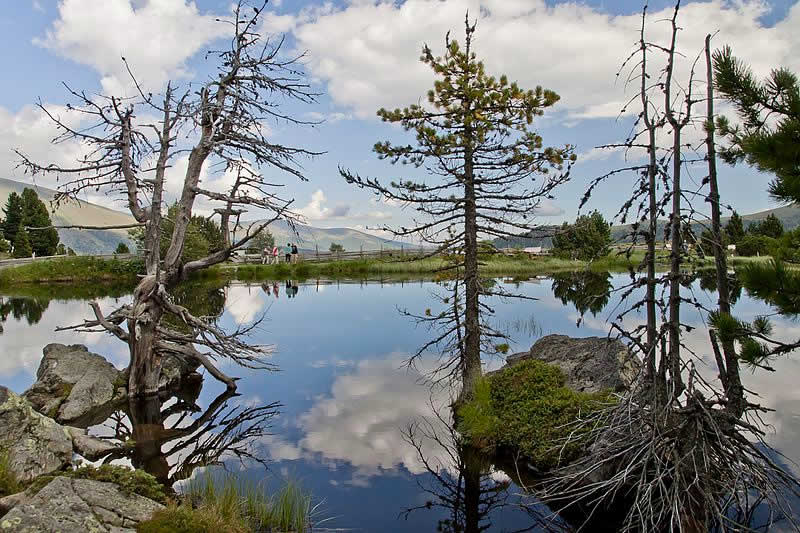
(31,309)
(202,300)
(171,439)
(708,282)
(586,290)
(461,482)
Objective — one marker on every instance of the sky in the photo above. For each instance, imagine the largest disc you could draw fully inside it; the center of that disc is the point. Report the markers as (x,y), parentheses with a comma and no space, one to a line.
(361,55)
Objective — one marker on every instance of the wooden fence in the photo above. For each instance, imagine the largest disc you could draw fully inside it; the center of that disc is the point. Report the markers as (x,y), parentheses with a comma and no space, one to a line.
(320,257)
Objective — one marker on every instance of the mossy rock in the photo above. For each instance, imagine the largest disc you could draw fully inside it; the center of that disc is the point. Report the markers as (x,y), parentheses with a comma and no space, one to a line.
(527,408)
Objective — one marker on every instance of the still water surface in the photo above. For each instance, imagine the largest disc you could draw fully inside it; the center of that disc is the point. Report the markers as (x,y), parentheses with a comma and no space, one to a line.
(346,398)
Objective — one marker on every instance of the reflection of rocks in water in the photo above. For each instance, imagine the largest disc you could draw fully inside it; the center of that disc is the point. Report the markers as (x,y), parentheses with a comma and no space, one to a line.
(170,437)
(586,290)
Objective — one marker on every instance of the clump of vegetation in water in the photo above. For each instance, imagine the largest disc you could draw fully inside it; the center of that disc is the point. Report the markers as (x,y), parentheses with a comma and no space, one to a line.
(528,408)
(233,506)
(8,481)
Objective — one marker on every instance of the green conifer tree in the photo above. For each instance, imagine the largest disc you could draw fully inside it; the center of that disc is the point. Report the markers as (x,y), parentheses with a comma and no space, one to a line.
(13,217)
(484,166)
(734,229)
(769,110)
(22,245)
(35,215)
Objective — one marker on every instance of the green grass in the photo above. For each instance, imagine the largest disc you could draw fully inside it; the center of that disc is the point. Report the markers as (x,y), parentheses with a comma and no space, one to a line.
(528,409)
(8,481)
(214,505)
(72,269)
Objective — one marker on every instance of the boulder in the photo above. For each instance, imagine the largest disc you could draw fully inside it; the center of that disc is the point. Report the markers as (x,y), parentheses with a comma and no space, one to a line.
(590,364)
(75,386)
(35,444)
(67,504)
(79,388)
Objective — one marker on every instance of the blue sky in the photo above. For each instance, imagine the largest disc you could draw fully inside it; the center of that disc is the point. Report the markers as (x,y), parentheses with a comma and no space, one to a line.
(362,54)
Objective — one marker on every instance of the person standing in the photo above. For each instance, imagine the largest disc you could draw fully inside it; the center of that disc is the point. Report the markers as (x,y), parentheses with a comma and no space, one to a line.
(294,253)
(274,254)
(288,252)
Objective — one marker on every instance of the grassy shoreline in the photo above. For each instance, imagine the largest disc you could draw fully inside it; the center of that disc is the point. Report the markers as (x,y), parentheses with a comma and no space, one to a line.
(124,274)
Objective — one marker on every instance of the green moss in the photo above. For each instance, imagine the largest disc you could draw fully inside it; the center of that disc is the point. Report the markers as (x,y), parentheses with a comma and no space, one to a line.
(528,408)
(128,480)
(8,481)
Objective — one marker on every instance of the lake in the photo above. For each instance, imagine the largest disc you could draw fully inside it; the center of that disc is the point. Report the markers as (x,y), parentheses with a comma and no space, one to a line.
(344,416)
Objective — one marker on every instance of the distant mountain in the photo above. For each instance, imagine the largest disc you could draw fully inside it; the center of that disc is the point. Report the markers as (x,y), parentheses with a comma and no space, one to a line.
(84,242)
(789,215)
(310,238)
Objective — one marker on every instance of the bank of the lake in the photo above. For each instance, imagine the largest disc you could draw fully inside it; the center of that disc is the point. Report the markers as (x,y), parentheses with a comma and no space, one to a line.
(126,272)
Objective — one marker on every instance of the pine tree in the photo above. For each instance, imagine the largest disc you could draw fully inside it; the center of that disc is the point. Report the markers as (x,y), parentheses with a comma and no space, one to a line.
(770,114)
(769,227)
(13,217)
(482,160)
(22,245)
(734,229)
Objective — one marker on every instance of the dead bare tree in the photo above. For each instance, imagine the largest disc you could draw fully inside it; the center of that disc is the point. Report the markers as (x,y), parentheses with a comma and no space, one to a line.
(681,451)
(128,154)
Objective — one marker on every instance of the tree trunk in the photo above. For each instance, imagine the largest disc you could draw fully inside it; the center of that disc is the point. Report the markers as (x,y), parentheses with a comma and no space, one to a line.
(145,368)
(729,373)
(675,269)
(471,369)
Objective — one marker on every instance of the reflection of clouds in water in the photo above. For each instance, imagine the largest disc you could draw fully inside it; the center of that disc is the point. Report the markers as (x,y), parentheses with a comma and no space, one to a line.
(776,390)
(245,303)
(21,344)
(363,419)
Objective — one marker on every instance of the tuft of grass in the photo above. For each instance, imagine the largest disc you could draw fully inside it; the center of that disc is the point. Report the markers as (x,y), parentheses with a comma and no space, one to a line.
(527,408)
(228,504)
(184,519)
(8,481)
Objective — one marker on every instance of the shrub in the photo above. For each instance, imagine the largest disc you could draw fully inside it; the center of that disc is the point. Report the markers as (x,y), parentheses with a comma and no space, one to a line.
(528,408)
(751,245)
(122,248)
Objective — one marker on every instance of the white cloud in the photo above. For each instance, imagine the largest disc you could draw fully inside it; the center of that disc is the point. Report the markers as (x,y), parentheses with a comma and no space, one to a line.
(362,421)
(155,36)
(38,6)
(245,303)
(368,52)
(317,209)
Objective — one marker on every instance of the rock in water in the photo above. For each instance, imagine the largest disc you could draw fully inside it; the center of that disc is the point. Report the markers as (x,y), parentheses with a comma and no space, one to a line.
(590,364)
(79,505)
(79,388)
(35,444)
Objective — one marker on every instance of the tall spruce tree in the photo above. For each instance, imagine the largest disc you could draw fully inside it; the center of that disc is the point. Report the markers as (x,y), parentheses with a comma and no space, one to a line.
(13,217)
(44,238)
(734,229)
(22,245)
(482,160)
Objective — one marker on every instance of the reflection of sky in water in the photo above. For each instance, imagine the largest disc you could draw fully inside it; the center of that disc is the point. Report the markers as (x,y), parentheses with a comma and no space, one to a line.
(346,395)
